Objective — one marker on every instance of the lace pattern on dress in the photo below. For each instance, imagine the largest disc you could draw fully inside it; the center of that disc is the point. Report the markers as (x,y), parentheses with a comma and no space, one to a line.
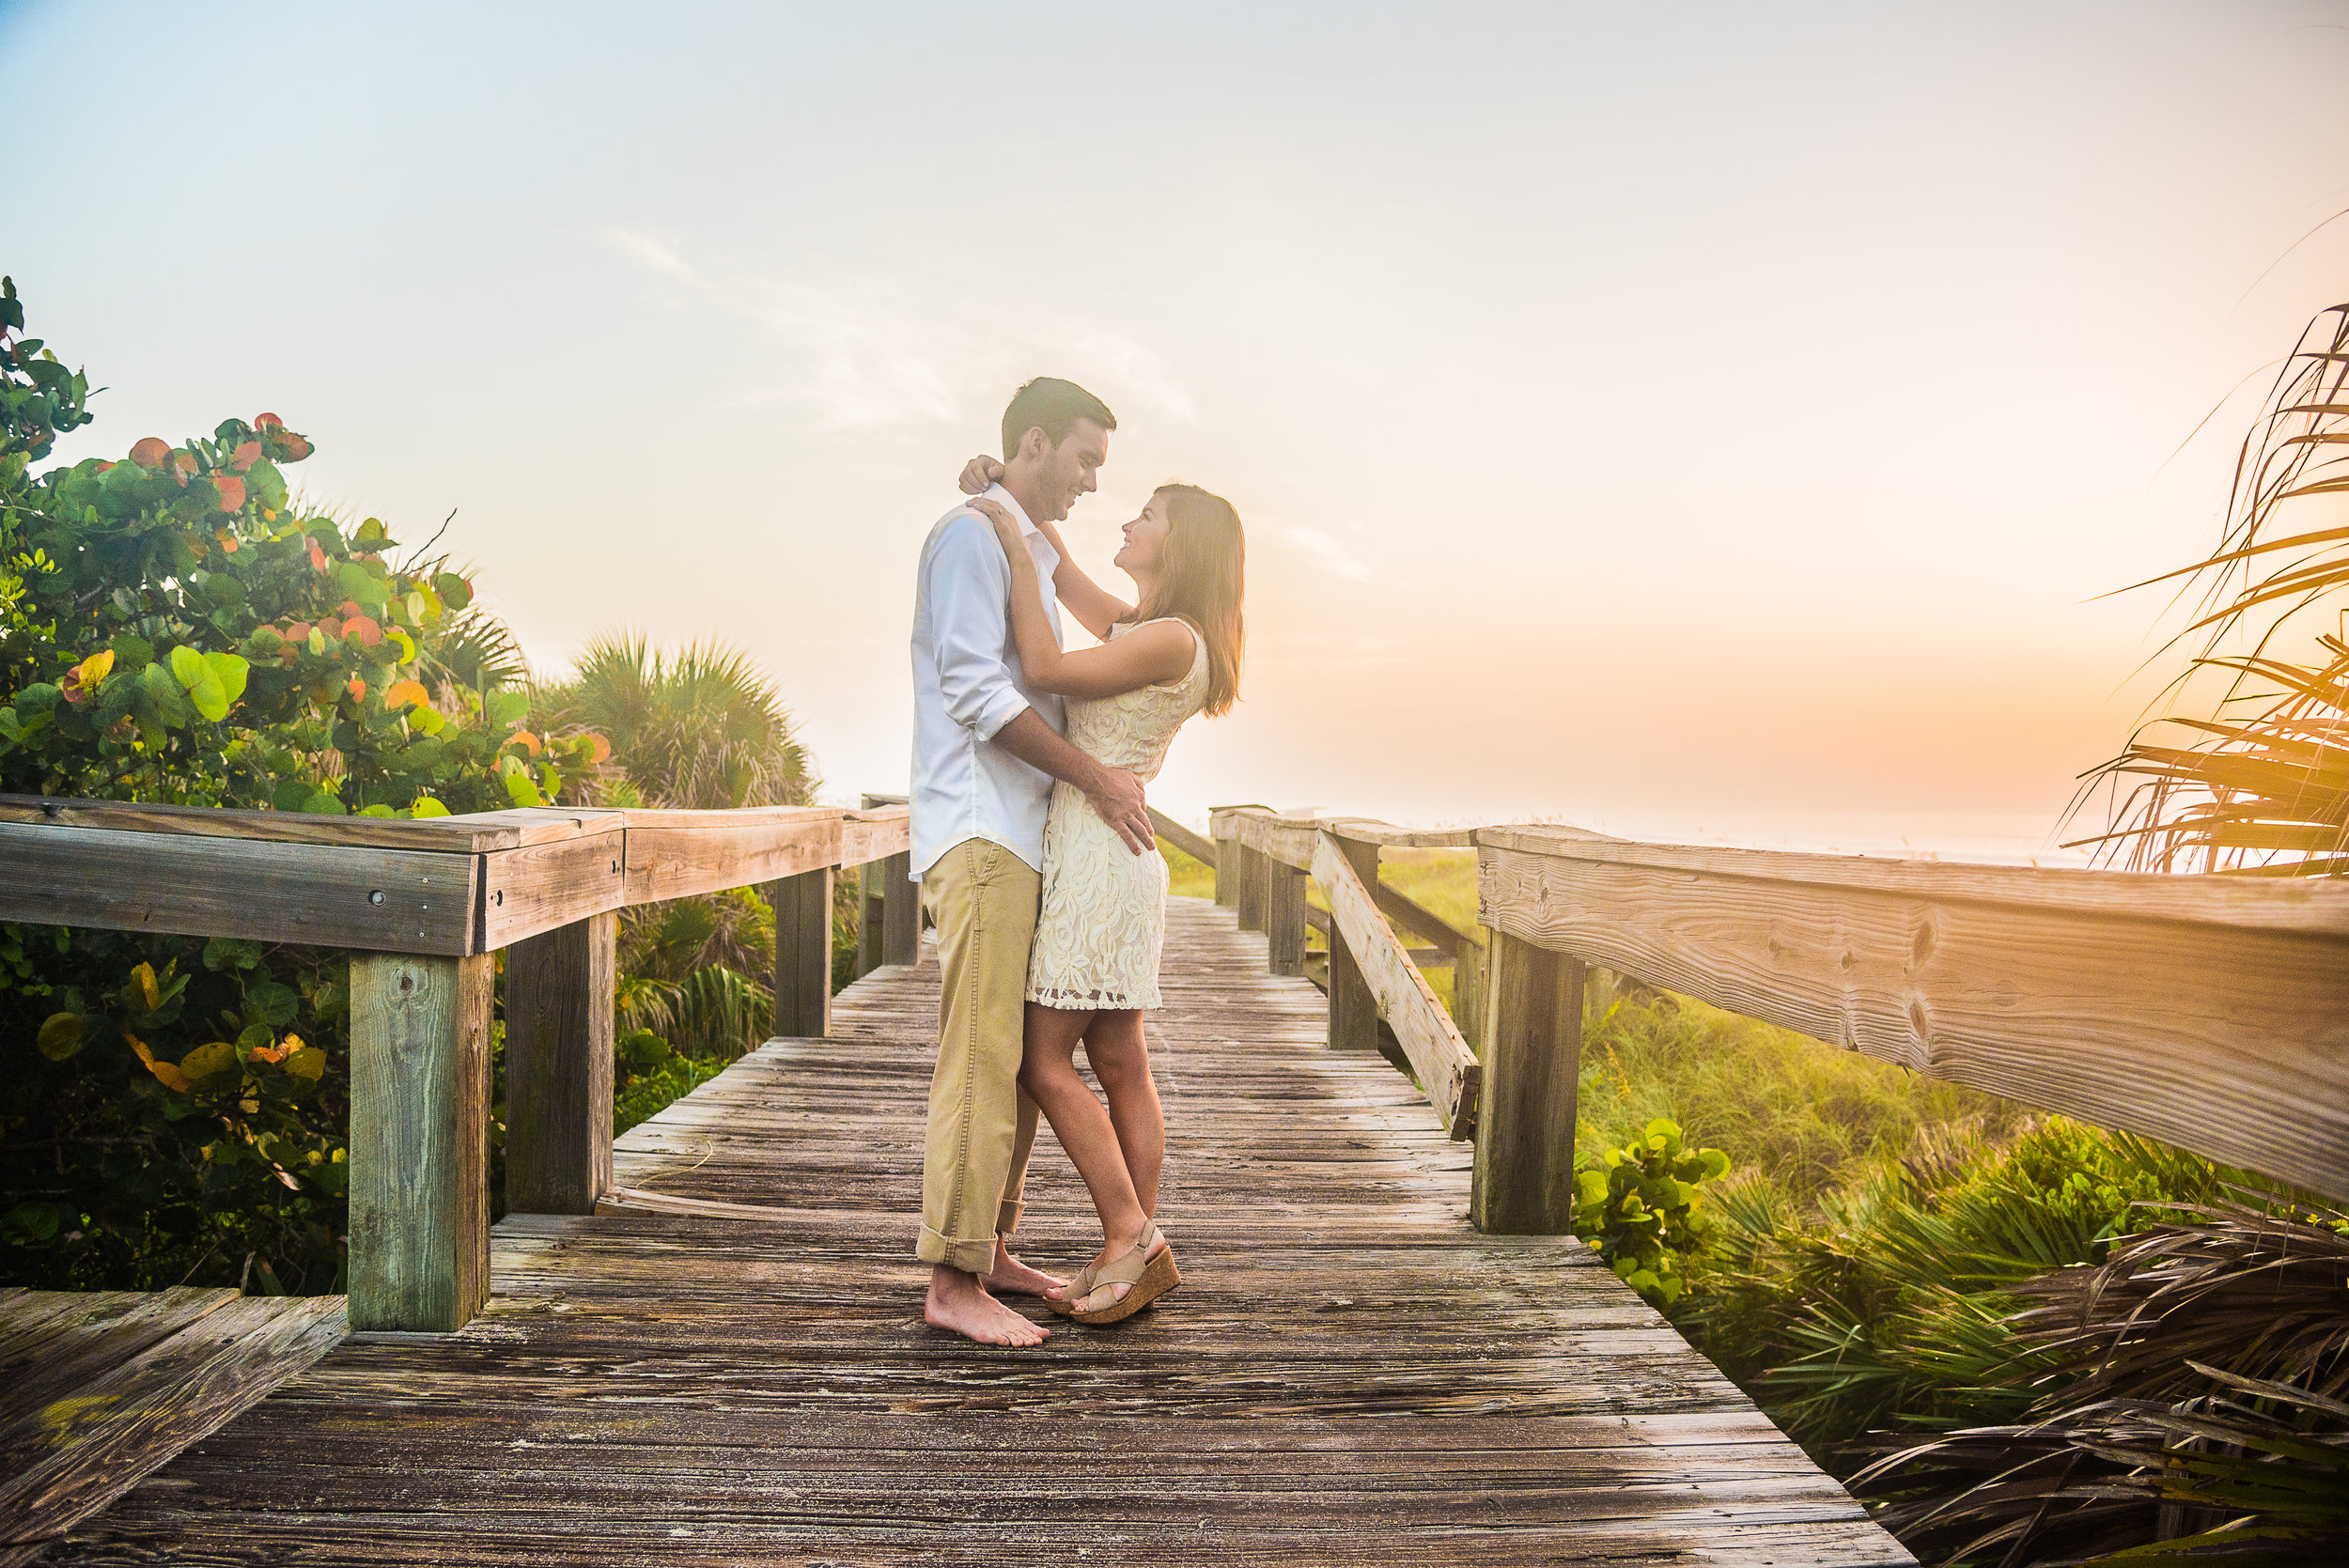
(1103,920)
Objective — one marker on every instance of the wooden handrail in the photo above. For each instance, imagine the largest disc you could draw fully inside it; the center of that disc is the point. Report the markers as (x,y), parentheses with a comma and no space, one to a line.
(424,905)
(451,886)
(1181,837)
(2209,1012)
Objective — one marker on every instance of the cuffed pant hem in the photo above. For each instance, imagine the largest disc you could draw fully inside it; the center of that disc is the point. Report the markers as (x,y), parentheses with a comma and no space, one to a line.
(972,1257)
(1008,1216)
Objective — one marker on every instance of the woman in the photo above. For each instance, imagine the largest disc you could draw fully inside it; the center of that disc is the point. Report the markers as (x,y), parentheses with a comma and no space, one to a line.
(1094,967)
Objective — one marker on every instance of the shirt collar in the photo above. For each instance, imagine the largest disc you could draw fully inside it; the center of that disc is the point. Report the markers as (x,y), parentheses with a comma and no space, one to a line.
(1004,499)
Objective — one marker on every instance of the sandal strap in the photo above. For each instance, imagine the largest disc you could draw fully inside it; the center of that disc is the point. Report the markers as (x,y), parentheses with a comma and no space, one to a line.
(1128,1268)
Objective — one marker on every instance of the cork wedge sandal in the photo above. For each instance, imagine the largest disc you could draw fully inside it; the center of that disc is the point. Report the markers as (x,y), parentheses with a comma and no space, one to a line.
(1149,1277)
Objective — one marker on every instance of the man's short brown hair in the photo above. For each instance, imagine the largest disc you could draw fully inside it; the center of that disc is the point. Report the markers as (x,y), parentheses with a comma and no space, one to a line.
(1052,406)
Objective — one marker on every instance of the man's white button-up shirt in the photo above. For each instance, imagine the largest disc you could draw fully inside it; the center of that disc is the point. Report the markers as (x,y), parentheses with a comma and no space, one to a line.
(967,686)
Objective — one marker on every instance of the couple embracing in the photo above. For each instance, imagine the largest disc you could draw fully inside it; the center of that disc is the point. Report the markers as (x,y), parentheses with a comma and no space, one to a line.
(1038,865)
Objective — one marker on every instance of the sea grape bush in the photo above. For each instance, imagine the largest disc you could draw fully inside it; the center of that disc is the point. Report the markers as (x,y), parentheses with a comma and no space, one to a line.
(175,627)
(1639,1210)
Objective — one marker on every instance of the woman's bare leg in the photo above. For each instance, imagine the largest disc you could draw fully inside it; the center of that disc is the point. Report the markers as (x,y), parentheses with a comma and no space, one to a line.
(1049,1071)
(1120,1058)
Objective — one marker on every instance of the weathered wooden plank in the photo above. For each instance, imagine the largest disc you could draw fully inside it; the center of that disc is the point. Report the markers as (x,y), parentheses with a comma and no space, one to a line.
(1182,838)
(1284,919)
(123,1424)
(901,909)
(419,1256)
(1353,1006)
(553,883)
(869,834)
(803,907)
(53,1343)
(345,896)
(469,834)
(672,854)
(558,1067)
(1447,1069)
(2313,905)
(1524,1180)
(1408,914)
(2209,1019)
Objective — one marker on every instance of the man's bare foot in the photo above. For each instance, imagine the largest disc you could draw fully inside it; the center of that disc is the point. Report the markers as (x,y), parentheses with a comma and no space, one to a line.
(1010,1277)
(958,1302)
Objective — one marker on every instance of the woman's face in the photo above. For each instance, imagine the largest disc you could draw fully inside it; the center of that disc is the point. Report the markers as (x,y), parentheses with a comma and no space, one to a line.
(1145,539)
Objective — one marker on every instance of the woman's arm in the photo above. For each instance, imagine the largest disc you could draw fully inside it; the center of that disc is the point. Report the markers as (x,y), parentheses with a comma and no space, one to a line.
(1148,656)
(1096,608)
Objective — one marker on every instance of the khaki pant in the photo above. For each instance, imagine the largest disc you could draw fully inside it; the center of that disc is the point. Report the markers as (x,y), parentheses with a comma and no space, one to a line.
(982,900)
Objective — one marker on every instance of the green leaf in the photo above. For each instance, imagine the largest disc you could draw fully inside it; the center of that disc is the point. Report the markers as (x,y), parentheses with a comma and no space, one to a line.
(521,790)
(62,1035)
(30,1222)
(231,953)
(506,708)
(229,670)
(264,484)
(292,795)
(454,590)
(428,807)
(267,1002)
(209,1060)
(324,803)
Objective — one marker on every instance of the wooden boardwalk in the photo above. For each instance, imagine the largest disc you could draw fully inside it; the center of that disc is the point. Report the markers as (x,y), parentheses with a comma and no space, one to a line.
(1349,1374)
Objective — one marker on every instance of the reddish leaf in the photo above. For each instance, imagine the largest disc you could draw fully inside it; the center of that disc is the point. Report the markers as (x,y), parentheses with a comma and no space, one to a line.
(365,629)
(231,490)
(317,557)
(358,690)
(246,455)
(150,452)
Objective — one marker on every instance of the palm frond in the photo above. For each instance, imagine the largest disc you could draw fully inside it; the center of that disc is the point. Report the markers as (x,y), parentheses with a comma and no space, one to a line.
(2254,794)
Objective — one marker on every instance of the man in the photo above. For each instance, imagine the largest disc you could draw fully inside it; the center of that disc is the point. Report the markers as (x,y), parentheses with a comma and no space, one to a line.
(985,751)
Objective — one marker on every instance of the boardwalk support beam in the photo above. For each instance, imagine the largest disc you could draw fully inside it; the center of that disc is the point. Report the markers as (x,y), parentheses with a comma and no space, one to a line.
(558,1067)
(1283,918)
(803,907)
(419,1140)
(1524,1182)
(1353,1010)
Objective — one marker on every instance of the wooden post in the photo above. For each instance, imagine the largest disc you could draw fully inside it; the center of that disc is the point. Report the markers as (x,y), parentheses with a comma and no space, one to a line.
(1353,1011)
(869,916)
(1249,887)
(419,1139)
(901,911)
(1467,990)
(558,1067)
(1524,1182)
(1284,918)
(803,907)
(1227,853)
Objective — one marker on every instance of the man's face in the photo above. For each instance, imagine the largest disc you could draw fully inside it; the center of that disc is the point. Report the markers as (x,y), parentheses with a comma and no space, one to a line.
(1066,471)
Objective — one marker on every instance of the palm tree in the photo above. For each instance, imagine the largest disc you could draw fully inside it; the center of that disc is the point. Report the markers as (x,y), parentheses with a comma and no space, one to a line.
(702,728)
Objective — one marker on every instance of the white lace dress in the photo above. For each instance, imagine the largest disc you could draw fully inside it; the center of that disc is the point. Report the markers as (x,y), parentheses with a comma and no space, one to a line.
(1104,915)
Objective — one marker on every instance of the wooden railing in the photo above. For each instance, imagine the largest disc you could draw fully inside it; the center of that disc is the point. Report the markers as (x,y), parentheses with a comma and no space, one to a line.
(426,906)
(2209,1012)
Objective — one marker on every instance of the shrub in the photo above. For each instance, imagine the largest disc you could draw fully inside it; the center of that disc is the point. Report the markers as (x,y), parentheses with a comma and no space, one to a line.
(174,627)
(1639,1209)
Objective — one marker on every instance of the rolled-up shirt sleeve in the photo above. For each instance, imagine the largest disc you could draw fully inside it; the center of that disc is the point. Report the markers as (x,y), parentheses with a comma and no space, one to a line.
(969,584)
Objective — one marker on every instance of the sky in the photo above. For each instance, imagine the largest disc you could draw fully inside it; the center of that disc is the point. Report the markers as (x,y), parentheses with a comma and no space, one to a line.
(1710,423)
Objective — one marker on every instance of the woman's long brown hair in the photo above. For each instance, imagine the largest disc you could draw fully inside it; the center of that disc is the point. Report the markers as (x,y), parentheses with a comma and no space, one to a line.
(1203,577)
